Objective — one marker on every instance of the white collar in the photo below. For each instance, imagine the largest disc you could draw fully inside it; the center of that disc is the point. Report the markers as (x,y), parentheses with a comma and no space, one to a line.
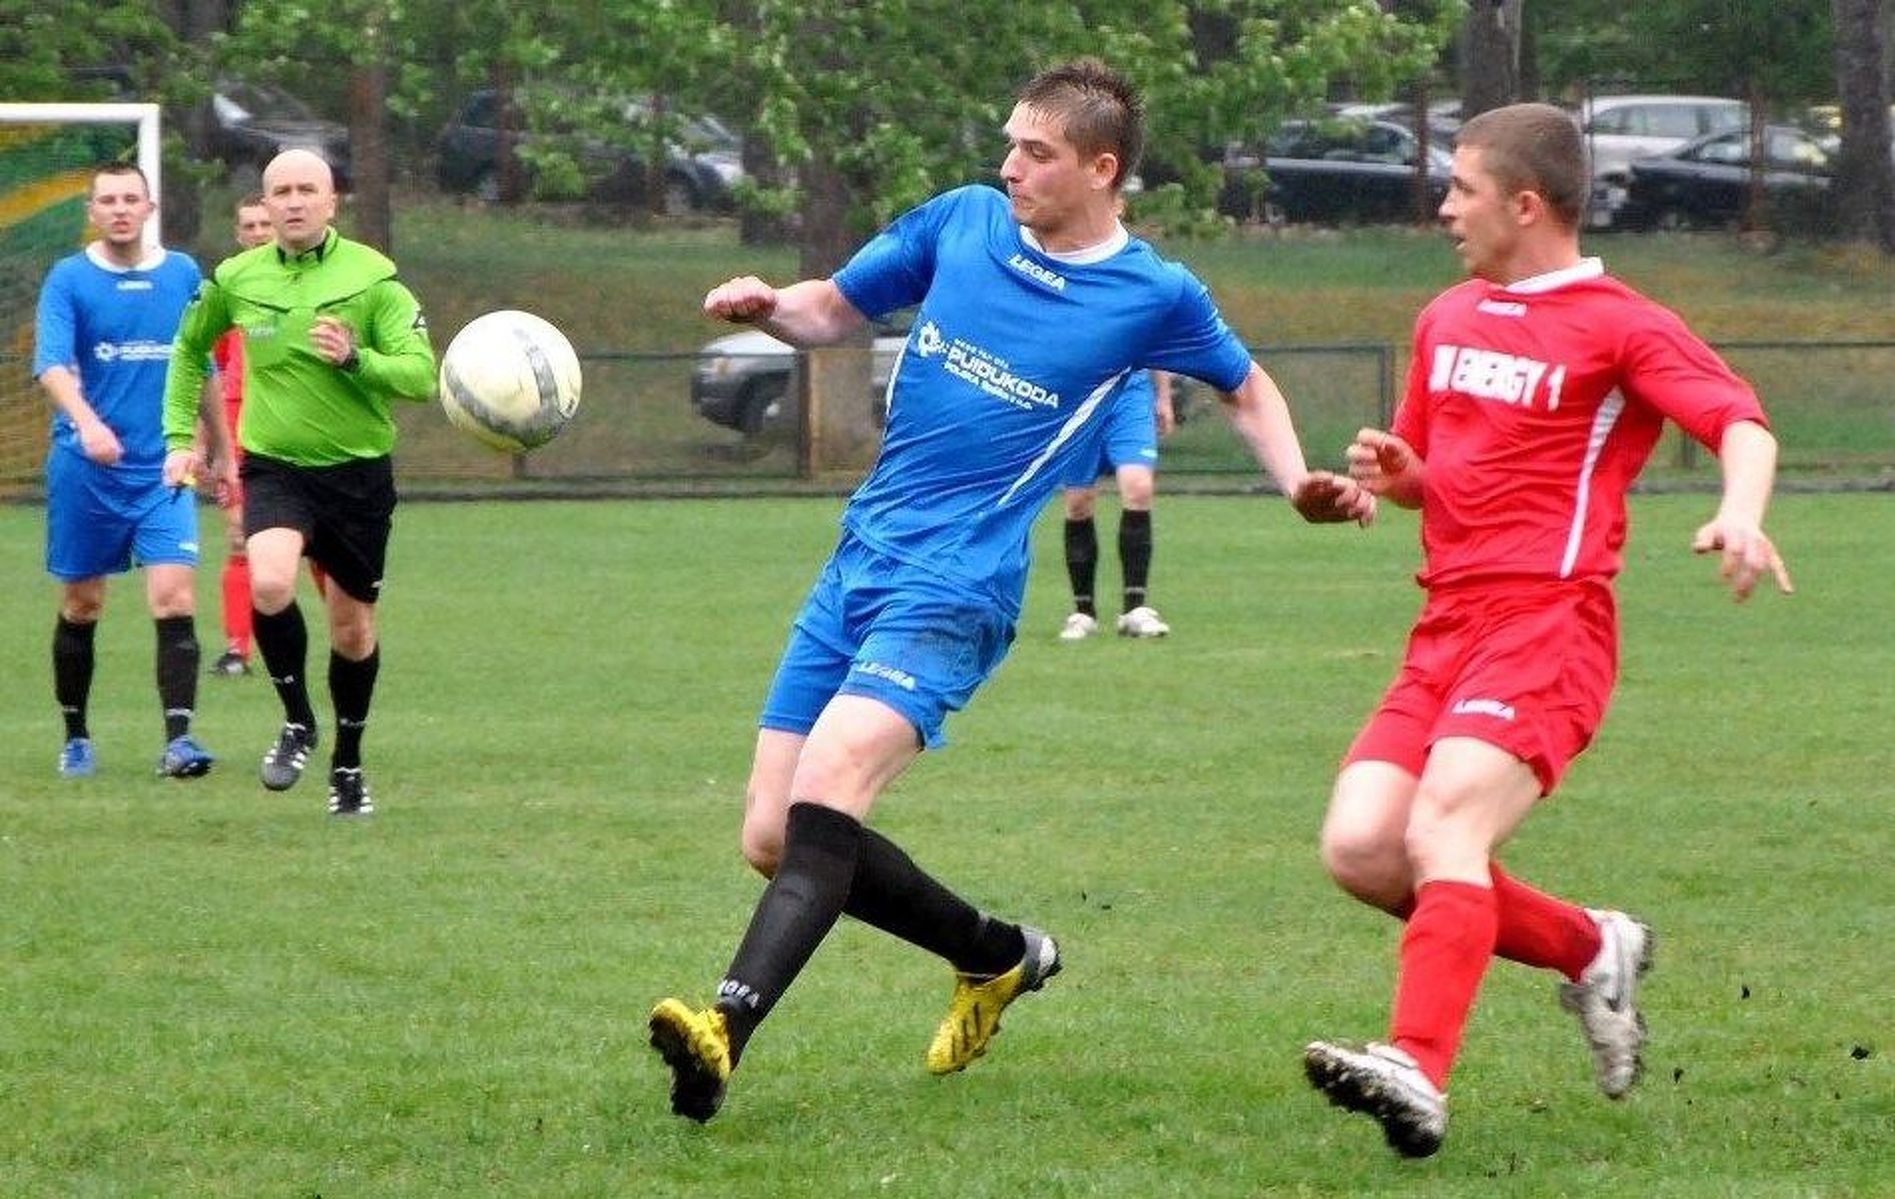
(96,252)
(1585,268)
(1085,256)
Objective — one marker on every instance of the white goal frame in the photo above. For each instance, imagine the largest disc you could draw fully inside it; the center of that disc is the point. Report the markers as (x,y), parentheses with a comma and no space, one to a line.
(144,116)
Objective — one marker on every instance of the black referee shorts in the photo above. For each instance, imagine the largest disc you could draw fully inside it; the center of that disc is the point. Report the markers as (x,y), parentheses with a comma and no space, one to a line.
(344,513)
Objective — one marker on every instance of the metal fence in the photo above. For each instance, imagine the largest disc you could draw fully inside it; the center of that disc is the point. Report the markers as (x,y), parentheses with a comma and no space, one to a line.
(1832,404)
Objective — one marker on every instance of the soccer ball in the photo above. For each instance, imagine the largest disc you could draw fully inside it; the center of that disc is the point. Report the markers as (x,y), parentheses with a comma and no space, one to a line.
(511,379)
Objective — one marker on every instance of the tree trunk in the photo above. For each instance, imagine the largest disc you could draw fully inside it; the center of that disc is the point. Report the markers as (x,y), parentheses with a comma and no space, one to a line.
(1864,185)
(1418,100)
(838,415)
(368,148)
(181,207)
(1756,217)
(1490,55)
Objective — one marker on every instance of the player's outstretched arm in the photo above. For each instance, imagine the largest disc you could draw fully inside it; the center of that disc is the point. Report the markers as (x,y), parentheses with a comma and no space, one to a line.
(1748,456)
(810,313)
(1387,466)
(1262,418)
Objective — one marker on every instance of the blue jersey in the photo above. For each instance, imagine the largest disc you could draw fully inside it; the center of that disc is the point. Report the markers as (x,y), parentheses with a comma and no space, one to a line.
(1001,387)
(113,326)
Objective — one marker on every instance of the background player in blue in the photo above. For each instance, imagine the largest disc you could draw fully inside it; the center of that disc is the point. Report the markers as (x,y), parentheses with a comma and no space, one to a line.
(1034,305)
(106,319)
(1140,414)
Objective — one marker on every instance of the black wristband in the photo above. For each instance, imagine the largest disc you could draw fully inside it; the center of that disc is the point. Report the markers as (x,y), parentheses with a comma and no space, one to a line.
(352,362)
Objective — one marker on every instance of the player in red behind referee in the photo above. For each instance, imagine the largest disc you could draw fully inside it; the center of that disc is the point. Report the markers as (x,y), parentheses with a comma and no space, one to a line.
(1537,390)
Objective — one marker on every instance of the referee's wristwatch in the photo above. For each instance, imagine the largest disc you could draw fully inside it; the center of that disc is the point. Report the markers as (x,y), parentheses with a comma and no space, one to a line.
(352,362)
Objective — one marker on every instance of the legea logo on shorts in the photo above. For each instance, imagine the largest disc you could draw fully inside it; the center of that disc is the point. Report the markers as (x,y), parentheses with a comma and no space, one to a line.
(1483,707)
(900,678)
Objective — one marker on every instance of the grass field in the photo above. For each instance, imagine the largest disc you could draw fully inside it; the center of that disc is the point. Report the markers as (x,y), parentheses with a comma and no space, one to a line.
(207,989)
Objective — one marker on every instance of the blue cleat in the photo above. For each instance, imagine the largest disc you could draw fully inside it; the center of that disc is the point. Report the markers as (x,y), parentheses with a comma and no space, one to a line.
(184,758)
(76,760)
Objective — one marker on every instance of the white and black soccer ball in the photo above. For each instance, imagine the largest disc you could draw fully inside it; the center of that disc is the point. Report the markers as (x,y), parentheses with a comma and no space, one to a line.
(511,379)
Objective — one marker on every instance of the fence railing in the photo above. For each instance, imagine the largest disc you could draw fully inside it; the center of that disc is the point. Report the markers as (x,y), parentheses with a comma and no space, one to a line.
(688,422)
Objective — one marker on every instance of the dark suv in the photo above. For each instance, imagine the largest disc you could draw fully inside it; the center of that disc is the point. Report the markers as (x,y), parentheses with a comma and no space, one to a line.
(696,178)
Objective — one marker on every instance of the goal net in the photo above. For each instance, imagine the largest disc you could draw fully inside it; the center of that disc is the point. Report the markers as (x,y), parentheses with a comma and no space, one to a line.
(47,155)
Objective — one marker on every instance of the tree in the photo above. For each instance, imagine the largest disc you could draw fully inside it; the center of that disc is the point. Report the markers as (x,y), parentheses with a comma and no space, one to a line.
(1490,55)
(1864,187)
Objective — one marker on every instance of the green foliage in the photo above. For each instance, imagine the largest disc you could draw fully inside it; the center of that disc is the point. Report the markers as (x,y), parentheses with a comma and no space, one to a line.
(904,112)
(1722,47)
(211,990)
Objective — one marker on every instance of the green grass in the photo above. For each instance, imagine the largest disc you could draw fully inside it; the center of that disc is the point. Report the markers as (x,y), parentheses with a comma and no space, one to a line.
(209,989)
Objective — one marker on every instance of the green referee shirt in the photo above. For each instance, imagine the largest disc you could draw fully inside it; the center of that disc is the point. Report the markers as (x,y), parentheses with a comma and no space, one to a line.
(297,406)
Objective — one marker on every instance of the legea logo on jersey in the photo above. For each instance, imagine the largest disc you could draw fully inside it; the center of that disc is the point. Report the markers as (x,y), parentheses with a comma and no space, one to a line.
(1492,375)
(132,351)
(1026,266)
(989,372)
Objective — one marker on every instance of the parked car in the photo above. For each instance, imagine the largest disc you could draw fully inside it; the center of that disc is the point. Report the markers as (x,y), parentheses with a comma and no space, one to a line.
(1707,182)
(1338,170)
(250,124)
(699,172)
(1622,129)
(742,380)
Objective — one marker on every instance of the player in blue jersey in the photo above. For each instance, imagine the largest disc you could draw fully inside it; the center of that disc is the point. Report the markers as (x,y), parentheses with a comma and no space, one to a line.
(1141,413)
(107,316)
(1034,305)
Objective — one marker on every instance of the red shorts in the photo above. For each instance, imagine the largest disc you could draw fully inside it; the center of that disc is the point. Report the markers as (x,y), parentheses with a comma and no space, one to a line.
(1527,667)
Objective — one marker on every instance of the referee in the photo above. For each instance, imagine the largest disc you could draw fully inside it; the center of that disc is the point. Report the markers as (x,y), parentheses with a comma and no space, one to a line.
(331,340)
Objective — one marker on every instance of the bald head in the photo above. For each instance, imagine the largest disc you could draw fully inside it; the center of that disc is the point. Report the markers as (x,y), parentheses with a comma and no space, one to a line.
(300,192)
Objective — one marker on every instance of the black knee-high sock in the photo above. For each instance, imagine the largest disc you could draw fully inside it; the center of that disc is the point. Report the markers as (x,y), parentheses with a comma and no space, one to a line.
(797,910)
(1135,555)
(72,672)
(351,686)
(177,672)
(1082,562)
(895,895)
(283,642)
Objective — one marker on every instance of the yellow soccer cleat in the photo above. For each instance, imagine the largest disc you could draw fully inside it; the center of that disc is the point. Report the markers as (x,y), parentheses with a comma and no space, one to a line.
(974,1011)
(696,1045)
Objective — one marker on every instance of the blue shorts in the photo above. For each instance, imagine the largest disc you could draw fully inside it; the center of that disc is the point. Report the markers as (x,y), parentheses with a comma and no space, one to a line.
(104,520)
(880,628)
(1130,439)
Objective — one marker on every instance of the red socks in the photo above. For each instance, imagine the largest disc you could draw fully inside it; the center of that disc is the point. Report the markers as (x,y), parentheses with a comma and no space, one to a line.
(237,604)
(1444,952)
(1539,930)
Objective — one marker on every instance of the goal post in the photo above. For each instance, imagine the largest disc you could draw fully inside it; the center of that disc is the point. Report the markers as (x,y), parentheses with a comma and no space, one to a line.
(48,153)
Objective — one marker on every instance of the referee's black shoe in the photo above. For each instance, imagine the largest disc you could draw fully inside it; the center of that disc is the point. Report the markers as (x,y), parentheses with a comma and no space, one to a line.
(284,762)
(348,792)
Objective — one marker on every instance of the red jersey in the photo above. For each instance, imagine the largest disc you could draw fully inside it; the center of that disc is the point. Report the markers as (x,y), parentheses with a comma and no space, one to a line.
(1535,406)
(227,353)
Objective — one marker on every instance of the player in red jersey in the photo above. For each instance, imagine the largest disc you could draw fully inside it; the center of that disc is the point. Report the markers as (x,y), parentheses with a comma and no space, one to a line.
(1537,391)
(253,229)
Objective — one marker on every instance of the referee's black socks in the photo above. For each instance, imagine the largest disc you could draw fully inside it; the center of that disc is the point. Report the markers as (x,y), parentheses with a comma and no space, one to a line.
(283,643)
